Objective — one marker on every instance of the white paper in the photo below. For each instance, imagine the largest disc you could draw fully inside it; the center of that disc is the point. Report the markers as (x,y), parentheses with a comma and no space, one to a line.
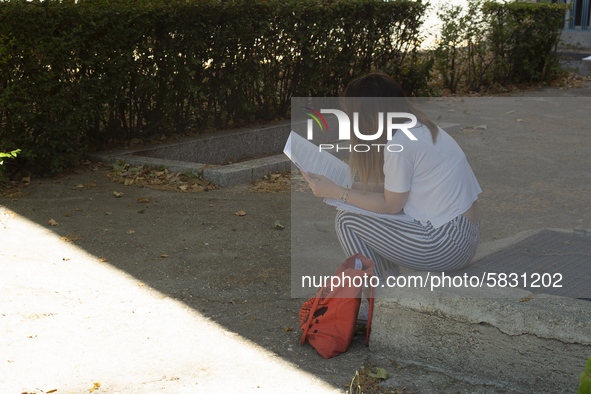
(309,158)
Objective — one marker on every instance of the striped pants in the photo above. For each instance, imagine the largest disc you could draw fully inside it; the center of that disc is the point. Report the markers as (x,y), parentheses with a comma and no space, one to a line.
(408,243)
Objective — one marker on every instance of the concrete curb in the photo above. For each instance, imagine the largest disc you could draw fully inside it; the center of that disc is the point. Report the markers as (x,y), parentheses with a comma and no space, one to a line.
(585,67)
(198,154)
(248,171)
(489,248)
(508,339)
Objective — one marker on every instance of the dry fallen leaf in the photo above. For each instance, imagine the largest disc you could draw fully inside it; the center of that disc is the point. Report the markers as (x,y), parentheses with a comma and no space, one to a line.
(240,213)
(526,299)
(288,328)
(78,187)
(53,222)
(141,284)
(158,179)
(117,194)
(129,232)
(380,374)
(144,200)
(96,385)
(103,260)
(71,238)
(164,256)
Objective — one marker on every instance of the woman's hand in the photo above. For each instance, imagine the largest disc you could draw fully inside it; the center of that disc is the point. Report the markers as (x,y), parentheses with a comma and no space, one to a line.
(322,186)
(383,202)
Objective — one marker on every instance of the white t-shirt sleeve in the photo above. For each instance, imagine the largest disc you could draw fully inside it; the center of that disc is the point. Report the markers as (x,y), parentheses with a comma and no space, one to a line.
(398,171)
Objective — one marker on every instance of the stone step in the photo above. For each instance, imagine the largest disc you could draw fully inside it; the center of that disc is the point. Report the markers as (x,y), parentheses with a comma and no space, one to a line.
(579,61)
(505,337)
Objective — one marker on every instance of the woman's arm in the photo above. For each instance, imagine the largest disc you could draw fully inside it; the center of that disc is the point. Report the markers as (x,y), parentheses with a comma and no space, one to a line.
(382,202)
(359,186)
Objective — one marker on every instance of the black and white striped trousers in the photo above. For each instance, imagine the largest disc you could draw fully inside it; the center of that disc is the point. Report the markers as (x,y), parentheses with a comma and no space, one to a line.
(391,242)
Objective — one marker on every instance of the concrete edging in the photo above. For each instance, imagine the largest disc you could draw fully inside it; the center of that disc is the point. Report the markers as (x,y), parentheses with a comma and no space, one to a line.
(242,141)
(509,339)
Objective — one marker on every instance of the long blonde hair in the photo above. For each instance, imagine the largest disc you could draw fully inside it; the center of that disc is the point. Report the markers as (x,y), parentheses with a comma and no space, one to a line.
(372,87)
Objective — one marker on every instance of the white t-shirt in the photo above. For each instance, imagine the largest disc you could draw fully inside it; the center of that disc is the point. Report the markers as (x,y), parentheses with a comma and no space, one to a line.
(440,182)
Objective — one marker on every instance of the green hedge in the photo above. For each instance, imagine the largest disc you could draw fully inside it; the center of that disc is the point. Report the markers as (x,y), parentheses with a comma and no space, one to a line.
(75,75)
(523,40)
(489,43)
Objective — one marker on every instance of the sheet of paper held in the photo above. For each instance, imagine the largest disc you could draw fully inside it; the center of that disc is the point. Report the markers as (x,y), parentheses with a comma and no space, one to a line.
(309,158)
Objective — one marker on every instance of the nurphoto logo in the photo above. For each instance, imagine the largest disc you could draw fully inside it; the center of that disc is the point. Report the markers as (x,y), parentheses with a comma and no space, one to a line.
(345,128)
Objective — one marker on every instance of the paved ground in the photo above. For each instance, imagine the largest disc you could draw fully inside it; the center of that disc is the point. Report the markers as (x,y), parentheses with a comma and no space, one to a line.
(172,292)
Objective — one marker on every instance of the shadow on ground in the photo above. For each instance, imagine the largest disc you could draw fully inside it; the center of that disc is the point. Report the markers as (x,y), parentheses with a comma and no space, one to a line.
(235,270)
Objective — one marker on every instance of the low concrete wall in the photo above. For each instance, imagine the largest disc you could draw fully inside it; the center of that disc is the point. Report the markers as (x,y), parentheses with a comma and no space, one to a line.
(585,67)
(487,342)
(507,337)
(196,153)
(224,147)
(247,171)
(574,39)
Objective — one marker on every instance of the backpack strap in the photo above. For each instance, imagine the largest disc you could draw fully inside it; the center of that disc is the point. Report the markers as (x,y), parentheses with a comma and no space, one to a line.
(371,302)
(370,315)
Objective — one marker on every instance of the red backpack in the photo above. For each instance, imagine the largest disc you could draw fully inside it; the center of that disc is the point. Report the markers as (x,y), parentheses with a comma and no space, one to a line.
(328,319)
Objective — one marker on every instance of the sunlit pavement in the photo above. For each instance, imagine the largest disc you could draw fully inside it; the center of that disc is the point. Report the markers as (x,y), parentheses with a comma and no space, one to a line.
(70,322)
